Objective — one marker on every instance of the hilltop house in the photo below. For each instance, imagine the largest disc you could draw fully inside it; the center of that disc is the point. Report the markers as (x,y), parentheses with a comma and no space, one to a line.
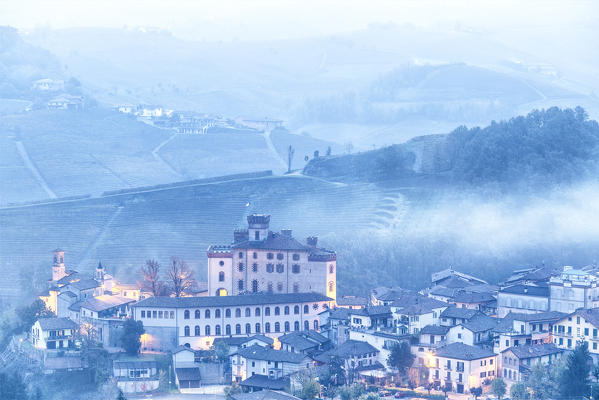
(459,367)
(53,334)
(66,102)
(260,260)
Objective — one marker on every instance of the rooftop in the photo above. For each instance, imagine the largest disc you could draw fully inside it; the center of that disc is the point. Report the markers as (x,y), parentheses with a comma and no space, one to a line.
(56,323)
(105,302)
(256,352)
(434,330)
(527,290)
(534,350)
(230,301)
(265,394)
(461,351)
(458,312)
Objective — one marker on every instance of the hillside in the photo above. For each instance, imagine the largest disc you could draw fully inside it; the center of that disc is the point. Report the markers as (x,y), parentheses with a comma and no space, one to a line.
(548,146)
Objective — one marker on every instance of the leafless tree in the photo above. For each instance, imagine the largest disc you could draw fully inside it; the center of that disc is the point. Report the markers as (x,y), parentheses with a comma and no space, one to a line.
(290,153)
(180,276)
(150,274)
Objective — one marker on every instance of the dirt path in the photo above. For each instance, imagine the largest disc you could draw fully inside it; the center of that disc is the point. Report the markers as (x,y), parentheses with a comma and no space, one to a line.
(36,173)
(161,160)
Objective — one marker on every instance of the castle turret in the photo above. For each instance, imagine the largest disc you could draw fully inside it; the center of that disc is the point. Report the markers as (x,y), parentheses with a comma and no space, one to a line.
(58,268)
(258,226)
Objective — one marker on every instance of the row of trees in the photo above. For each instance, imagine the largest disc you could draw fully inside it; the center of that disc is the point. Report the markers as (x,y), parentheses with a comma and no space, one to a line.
(176,280)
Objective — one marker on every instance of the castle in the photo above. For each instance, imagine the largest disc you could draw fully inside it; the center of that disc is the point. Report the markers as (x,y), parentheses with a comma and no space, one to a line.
(260,260)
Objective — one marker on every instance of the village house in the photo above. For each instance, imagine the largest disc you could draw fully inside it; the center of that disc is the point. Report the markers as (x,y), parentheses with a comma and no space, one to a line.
(266,362)
(458,367)
(357,356)
(516,362)
(416,312)
(136,375)
(49,85)
(197,321)
(53,334)
(371,317)
(383,342)
(307,342)
(573,289)
(66,102)
(476,331)
(581,325)
(525,329)
(535,276)
(522,299)
(484,302)
(453,316)
(352,302)
(334,324)
(260,260)
(235,343)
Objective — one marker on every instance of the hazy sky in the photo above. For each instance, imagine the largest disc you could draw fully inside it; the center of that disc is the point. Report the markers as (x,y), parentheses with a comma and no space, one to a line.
(260,19)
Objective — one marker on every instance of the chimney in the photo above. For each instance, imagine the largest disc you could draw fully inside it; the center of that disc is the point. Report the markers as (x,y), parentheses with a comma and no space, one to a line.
(286,232)
(312,241)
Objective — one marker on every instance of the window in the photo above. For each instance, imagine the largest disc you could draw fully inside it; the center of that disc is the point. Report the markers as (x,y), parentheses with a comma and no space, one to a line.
(196,330)
(228,313)
(296,326)
(315,324)
(306,325)
(143,314)
(296,310)
(217,313)
(197,314)
(240,284)
(280,268)
(254,286)
(240,267)
(238,329)
(207,330)
(185,314)
(306,309)
(207,314)
(286,310)
(267,327)
(270,268)
(227,329)
(257,312)
(267,311)
(186,331)
(221,263)
(257,327)
(296,287)
(154,314)
(269,287)
(217,330)
(254,267)
(277,327)
(221,276)
(280,286)
(160,314)
(594,345)
(287,326)
(240,254)
(277,310)
(248,328)
(331,286)
(586,331)
(459,335)
(331,269)
(172,313)
(280,256)
(296,257)
(295,268)
(256,235)
(270,256)
(578,320)
(315,306)
(255,255)
(248,312)
(238,313)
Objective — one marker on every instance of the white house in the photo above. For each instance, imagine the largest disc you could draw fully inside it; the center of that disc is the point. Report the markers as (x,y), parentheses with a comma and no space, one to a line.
(53,333)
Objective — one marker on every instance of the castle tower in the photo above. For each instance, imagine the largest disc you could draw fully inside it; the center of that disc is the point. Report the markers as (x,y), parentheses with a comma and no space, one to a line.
(258,227)
(58,268)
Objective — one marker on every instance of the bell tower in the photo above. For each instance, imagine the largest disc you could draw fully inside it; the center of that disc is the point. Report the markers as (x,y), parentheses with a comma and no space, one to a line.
(258,227)
(58,267)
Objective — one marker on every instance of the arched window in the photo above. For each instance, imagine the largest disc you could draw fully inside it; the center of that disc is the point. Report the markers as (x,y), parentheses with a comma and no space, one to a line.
(248,312)
(196,330)
(186,314)
(240,254)
(207,314)
(280,268)
(277,327)
(331,269)
(315,324)
(254,267)
(186,331)
(296,287)
(217,330)
(238,329)
(248,328)
(257,327)
(267,311)
(306,325)
(331,286)
(270,267)
(286,310)
(255,255)
(238,313)
(227,329)
(240,284)
(228,313)
(217,313)
(306,309)
(257,312)
(221,276)
(277,310)
(197,314)
(240,267)
(287,326)
(254,286)
(267,327)
(296,310)
(207,330)
(296,326)
(280,286)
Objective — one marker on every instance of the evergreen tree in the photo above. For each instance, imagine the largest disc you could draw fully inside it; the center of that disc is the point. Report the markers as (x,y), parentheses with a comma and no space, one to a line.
(498,388)
(401,357)
(575,379)
(130,339)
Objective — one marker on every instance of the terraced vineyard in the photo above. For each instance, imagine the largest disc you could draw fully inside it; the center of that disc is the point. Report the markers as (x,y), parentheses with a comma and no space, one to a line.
(124,230)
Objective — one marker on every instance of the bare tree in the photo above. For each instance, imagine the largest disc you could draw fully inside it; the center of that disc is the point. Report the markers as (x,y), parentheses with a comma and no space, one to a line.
(290,153)
(150,274)
(180,276)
